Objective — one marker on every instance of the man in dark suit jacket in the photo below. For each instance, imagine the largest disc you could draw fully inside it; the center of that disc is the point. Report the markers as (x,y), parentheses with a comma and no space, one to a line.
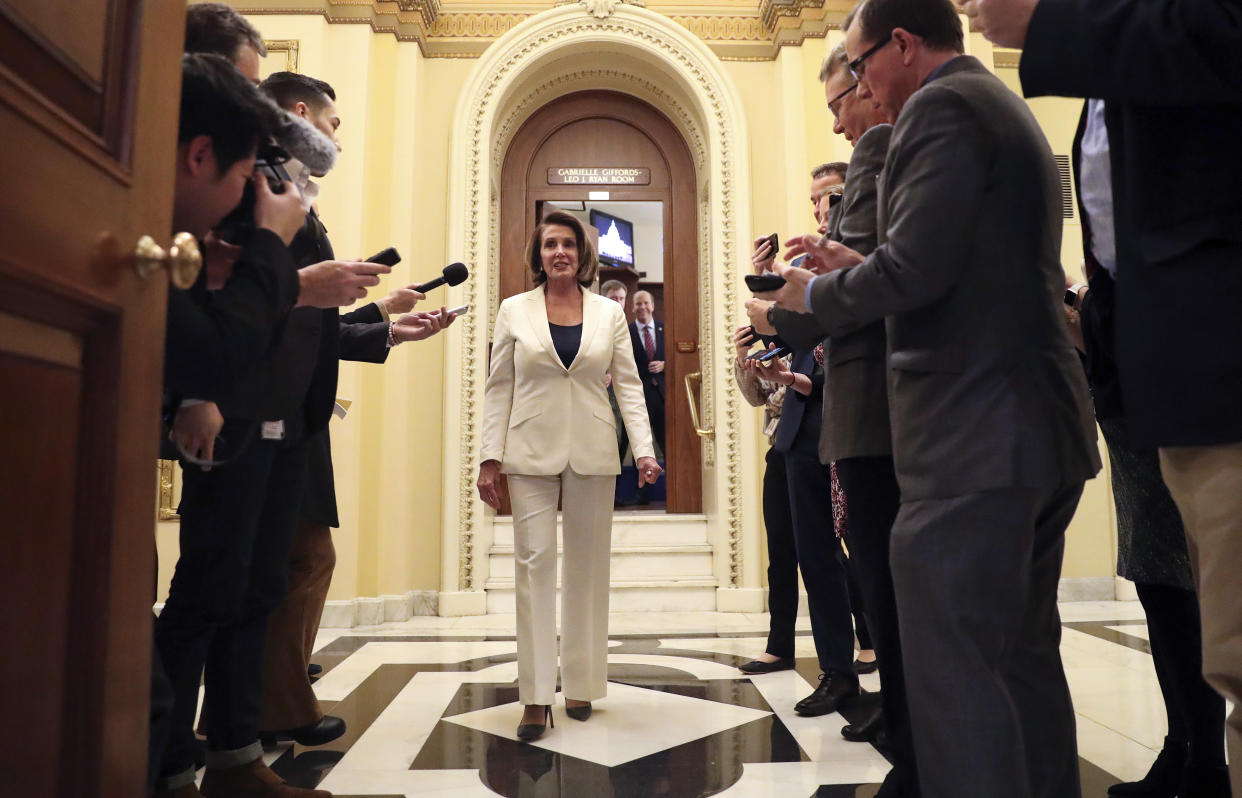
(856,434)
(647,338)
(1165,82)
(993,433)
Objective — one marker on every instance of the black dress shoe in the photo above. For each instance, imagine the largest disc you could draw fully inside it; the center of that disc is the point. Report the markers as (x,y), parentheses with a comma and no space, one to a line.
(867,730)
(834,690)
(1164,778)
(529,732)
(1204,781)
(314,669)
(759,666)
(861,667)
(579,713)
(321,732)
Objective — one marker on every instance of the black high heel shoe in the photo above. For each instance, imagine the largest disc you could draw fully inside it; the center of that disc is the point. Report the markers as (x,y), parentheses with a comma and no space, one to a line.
(579,713)
(529,732)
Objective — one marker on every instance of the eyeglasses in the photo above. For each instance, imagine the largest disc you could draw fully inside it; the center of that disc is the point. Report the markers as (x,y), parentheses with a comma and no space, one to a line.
(858,66)
(834,104)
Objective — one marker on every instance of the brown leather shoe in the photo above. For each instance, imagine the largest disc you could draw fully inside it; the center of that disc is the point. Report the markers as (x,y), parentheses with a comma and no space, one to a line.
(252,780)
(188,791)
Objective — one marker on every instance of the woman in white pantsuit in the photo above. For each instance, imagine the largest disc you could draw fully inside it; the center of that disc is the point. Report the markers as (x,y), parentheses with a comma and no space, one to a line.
(548,426)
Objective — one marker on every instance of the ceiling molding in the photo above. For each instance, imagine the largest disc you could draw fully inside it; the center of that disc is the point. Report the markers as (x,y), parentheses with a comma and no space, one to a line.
(735,31)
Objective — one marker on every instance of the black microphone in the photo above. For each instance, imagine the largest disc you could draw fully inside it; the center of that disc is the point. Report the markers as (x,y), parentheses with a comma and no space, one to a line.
(454,274)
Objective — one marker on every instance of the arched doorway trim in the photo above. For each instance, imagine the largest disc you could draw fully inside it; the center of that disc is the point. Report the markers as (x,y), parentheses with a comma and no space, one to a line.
(697,95)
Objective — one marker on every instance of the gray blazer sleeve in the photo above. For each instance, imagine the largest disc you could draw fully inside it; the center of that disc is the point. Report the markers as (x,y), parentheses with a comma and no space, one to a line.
(1143,52)
(858,208)
(935,173)
(801,330)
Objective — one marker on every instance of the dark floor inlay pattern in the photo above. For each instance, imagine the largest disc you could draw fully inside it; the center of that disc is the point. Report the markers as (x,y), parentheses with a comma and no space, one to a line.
(695,769)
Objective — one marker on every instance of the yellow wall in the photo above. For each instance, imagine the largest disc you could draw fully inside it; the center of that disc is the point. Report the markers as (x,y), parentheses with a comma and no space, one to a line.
(390,188)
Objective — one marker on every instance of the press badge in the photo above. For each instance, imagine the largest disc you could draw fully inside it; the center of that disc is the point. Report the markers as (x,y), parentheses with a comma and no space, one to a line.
(273,430)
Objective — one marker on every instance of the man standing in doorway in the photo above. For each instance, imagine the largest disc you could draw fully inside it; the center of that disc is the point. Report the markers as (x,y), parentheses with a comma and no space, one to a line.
(647,337)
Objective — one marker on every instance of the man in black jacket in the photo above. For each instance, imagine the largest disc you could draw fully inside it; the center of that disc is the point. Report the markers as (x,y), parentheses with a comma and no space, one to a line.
(367,335)
(1164,84)
(647,340)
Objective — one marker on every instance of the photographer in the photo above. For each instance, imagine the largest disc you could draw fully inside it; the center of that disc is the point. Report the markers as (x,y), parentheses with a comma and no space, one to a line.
(211,345)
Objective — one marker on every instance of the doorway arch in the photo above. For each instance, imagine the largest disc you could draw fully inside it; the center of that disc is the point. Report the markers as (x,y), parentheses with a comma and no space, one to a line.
(644,54)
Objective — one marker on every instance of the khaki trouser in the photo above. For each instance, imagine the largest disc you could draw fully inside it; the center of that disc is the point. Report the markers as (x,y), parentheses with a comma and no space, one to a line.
(1206,483)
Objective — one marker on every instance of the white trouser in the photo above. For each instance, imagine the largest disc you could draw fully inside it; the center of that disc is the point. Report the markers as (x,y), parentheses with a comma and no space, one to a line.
(587,544)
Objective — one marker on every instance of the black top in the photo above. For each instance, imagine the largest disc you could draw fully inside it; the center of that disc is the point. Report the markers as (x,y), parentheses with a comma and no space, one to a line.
(566,339)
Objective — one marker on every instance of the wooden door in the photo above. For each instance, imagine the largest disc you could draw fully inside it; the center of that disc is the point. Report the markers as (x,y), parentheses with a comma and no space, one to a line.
(611,129)
(88,119)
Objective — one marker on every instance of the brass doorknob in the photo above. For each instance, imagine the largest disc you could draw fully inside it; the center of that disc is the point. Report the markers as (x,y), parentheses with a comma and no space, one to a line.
(183,259)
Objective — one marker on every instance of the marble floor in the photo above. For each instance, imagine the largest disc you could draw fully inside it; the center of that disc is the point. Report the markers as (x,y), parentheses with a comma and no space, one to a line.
(431,709)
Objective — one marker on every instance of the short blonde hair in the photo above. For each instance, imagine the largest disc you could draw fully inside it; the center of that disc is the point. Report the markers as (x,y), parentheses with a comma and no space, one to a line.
(834,62)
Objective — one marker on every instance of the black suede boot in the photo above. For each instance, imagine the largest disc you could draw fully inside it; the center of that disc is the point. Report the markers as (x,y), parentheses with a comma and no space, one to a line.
(1204,781)
(1164,778)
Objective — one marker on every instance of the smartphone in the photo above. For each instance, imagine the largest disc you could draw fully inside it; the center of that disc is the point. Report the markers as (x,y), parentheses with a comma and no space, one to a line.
(774,241)
(387,257)
(459,311)
(763,283)
(751,336)
(772,354)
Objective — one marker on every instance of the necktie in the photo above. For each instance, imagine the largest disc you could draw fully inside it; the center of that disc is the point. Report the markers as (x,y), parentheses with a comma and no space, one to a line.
(648,342)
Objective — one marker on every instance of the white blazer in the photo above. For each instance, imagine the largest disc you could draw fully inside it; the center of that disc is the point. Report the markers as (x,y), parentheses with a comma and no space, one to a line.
(538,416)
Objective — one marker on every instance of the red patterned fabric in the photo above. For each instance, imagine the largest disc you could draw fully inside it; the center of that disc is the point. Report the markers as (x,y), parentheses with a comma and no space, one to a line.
(839,523)
(819,354)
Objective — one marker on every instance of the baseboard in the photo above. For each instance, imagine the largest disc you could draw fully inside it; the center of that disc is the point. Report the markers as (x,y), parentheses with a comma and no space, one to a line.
(348,613)
(741,599)
(456,603)
(1124,589)
(1087,588)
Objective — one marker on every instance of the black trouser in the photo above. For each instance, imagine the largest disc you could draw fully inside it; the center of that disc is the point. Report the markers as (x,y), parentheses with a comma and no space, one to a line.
(872,499)
(161,715)
(237,522)
(819,552)
(858,602)
(1196,711)
(782,558)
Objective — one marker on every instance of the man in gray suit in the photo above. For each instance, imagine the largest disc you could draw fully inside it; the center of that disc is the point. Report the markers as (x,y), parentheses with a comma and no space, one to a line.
(855,433)
(992,429)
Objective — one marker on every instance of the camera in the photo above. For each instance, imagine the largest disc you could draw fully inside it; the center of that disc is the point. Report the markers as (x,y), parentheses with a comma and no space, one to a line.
(238,226)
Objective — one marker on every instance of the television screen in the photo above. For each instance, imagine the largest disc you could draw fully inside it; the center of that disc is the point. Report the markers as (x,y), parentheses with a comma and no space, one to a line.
(616,239)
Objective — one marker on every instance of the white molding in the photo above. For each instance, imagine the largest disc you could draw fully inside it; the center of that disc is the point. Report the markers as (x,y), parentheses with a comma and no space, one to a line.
(1124,589)
(1087,588)
(466,602)
(742,599)
(368,611)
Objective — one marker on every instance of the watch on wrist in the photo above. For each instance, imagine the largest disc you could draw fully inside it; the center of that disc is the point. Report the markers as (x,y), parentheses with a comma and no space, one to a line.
(1073,296)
